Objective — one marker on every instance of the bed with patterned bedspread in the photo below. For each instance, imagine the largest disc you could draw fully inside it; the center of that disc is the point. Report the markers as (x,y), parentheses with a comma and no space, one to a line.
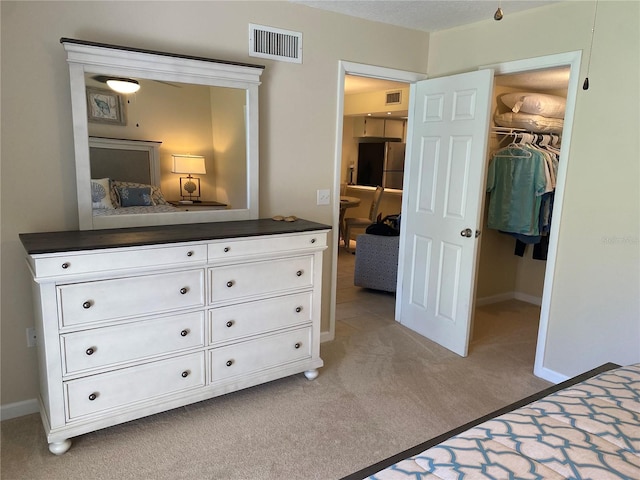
(585,428)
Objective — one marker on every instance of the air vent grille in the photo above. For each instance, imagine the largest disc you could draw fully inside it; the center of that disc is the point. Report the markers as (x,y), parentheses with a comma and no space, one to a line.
(394,97)
(275,43)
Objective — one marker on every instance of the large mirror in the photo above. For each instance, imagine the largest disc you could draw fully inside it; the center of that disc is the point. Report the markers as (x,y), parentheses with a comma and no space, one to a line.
(183,148)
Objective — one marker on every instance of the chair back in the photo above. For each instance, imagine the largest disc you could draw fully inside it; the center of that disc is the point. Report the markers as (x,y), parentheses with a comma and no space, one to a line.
(375,204)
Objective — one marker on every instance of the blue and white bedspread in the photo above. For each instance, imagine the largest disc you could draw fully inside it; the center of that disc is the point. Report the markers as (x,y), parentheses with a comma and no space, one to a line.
(134,210)
(590,430)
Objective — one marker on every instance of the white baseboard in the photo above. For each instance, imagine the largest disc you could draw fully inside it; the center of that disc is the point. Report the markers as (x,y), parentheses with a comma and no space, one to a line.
(502,297)
(549,375)
(19,409)
(326,337)
(523,297)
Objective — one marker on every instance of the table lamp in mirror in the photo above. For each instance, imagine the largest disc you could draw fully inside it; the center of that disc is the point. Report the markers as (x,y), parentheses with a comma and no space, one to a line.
(189,185)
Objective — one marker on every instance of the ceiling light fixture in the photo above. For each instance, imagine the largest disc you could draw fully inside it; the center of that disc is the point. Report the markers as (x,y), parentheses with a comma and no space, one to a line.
(123,85)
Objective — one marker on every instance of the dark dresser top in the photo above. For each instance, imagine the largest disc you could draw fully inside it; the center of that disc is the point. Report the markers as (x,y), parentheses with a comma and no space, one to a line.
(52,242)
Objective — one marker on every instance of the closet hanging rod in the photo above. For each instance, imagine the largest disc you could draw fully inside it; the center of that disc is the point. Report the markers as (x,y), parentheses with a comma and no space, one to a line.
(507,130)
(531,137)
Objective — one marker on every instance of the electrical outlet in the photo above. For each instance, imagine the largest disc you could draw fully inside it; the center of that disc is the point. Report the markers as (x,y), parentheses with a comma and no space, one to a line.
(32,340)
(324,197)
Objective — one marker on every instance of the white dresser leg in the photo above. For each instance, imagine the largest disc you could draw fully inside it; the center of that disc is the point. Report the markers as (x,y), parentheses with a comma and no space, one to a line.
(58,448)
(311,374)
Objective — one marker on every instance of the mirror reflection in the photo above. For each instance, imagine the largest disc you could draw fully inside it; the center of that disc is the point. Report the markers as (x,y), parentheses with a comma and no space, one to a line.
(191,127)
(178,107)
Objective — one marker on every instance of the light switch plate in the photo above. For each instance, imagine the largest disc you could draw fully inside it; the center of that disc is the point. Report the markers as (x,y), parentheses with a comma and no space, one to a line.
(324,197)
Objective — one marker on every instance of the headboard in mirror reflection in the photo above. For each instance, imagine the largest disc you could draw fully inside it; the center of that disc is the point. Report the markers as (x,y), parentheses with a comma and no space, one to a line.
(191,105)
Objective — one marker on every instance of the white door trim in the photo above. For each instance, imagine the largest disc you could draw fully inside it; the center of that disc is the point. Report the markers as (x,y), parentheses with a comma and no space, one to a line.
(363,70)
(571,59)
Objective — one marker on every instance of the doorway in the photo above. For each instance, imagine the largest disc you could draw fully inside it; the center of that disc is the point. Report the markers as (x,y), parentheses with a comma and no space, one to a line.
(510,274)
(572,61)
(366,71)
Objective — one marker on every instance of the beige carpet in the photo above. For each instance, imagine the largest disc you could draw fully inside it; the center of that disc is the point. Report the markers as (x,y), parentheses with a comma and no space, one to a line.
(383,389)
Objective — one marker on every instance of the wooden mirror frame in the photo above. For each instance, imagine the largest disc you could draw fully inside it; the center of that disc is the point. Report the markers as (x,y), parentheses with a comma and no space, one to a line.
(97,58)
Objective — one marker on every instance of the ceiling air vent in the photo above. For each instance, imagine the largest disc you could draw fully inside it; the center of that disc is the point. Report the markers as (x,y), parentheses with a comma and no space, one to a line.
(274,43)
(394,97)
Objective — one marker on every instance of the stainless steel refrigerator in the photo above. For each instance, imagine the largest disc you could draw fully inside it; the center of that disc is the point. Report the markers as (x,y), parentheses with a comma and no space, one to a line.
(381,163)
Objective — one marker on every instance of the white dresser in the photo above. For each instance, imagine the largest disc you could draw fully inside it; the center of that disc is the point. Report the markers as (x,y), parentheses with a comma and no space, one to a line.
(132,322)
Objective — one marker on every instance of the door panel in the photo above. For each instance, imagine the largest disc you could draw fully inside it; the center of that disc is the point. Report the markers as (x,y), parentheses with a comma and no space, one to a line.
(444,182)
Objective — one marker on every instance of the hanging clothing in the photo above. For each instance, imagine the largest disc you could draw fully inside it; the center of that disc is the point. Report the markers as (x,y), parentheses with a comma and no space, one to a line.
(516,181)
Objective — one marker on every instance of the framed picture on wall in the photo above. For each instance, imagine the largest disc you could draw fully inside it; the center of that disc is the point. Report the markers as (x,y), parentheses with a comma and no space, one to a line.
(105,106)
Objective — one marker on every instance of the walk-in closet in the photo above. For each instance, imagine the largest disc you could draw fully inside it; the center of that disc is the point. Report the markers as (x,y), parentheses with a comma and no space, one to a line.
(523,154)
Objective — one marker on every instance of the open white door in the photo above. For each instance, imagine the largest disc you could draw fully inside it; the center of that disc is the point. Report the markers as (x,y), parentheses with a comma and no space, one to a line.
(444,184)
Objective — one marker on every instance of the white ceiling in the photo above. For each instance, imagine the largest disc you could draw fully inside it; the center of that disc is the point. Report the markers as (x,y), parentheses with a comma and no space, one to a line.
(425,15)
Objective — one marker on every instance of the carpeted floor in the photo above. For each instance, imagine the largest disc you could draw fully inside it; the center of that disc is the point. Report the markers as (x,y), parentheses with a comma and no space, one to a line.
(383,389)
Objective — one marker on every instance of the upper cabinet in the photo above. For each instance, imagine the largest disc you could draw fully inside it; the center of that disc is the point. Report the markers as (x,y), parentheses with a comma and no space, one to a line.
(378,127)
(394,128)
(368,127)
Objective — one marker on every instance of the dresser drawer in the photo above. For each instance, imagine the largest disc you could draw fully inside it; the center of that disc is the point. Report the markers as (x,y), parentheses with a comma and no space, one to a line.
(259,354)
(82,303)
(76,263)
(98,393)
(105,346)
(259,278)
(233,248)
(236,321)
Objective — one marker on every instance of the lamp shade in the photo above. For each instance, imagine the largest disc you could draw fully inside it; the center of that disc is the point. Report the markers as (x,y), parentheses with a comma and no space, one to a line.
(123,85)
(188,164)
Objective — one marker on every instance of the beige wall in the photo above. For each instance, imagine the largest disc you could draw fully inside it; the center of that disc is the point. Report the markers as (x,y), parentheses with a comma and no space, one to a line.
(374,102)
(297,118)
(594,313)
(229,141)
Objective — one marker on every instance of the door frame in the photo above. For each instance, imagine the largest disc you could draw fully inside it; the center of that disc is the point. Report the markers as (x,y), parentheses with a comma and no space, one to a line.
(363,70)
(572,60)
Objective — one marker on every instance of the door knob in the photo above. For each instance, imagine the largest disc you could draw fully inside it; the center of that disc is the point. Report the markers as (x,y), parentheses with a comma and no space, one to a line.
(467,232)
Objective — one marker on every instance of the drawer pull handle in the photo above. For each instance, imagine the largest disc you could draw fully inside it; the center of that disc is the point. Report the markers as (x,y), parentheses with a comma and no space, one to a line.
(313,240)
(190,253)
(91,350)
(184,333)
(229,363)
(298,345)
(298,309)
(93,396)
(184,290)
(230,324)
(299,273)
(66,265)
(226,249)
(185,374)
(86,304)
(230,283)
